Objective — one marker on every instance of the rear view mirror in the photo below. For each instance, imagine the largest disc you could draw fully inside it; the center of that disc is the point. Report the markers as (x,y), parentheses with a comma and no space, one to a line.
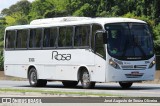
(104,37)
(104,34)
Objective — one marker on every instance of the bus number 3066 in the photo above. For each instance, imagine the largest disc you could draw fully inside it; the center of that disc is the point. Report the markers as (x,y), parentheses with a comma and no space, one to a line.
(62,57)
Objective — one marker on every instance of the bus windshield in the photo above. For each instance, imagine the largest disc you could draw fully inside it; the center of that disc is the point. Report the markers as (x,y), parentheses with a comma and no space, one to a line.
(129,41)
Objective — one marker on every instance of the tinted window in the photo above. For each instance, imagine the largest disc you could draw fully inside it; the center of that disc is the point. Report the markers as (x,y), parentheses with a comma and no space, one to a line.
(65,37)
(50,35)
(100,48)
(10,39)
(94,30)
(35,38)
(21,40)
(81,37)
(129,41)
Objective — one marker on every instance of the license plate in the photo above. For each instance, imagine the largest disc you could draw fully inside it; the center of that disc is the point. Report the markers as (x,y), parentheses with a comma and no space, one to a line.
(135,73)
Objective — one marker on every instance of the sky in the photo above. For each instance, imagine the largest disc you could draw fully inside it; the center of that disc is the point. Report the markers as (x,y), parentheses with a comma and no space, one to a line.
(8,3)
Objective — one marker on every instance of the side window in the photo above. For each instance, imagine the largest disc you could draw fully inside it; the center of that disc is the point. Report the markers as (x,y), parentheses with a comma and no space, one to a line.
(100,49)
(65,37)
(94,30)
(50,35)
(81,37)
(10,39)
(21,39)
(35,38)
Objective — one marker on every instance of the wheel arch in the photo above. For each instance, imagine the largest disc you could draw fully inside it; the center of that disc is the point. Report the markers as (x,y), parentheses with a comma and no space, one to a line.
(31,66)
(80,70)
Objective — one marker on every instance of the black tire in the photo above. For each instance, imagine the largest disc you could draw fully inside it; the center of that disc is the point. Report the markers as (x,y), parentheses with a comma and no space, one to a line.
(70,83)
(34,82)
(125,85)
(85,80)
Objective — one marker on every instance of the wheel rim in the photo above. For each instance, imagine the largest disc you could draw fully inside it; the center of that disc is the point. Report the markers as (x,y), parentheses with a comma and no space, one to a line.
(33,78)
(85,79)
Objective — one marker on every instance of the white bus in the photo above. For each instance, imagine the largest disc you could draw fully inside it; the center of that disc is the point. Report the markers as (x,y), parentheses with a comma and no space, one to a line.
(80,49)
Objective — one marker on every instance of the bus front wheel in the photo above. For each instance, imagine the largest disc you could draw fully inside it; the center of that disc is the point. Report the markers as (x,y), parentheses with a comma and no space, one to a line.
(34,82)
(125,85)
(85,80)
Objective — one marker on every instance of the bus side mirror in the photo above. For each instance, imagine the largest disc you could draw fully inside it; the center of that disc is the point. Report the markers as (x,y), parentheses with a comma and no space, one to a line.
(104,34)
(105,38)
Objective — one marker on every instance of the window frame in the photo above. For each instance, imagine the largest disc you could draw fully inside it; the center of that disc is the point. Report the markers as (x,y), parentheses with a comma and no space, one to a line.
(93,36)
(15,31)
(41,41)
(89,38)
(95,46)
(26,41)
(66,47)
(89,46)
(55,45)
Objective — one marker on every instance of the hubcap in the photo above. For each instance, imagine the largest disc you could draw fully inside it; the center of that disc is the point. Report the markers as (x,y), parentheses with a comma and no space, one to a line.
(33,78)
(85,79)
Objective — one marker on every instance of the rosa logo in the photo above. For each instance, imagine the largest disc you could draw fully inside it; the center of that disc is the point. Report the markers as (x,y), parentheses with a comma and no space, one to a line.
(63,57)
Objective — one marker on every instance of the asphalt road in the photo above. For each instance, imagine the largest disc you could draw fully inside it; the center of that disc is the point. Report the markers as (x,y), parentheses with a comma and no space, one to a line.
(137,89)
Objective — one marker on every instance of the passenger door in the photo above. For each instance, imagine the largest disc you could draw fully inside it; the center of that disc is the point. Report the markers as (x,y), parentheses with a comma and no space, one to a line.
(100,56)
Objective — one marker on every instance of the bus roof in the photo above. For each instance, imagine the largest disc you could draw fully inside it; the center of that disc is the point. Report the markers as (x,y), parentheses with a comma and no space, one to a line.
(66,21)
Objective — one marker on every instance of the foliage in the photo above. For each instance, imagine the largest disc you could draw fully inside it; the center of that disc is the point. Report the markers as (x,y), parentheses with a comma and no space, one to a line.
(156,31)
(1,60)
(23,12)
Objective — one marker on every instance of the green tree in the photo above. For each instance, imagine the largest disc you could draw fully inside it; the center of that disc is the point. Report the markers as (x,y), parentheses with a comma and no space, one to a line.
(156,32)
(23,11)
(2,28)
(37,10)
(56,8)
(17,18)
(85,10)
(21,6)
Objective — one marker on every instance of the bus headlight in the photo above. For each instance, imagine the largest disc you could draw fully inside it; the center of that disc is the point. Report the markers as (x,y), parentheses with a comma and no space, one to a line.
(113,64)
(152,64)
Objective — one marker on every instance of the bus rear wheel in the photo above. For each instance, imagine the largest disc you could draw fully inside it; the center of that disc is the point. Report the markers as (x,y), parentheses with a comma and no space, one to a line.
(85,80)
(34,82)
(70,83)
(125,85)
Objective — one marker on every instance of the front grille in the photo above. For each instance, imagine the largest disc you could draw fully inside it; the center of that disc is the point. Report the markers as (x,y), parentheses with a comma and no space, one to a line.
(127,67)
(134,76)
(140,66)
(133,67)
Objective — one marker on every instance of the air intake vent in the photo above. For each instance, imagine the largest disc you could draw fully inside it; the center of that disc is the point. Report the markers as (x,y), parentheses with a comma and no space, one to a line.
(134,67)
(134,75)
(127,67)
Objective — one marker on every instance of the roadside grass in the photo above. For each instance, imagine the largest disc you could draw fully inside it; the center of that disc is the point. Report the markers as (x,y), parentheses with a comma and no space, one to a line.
(13,78)
(56,93)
